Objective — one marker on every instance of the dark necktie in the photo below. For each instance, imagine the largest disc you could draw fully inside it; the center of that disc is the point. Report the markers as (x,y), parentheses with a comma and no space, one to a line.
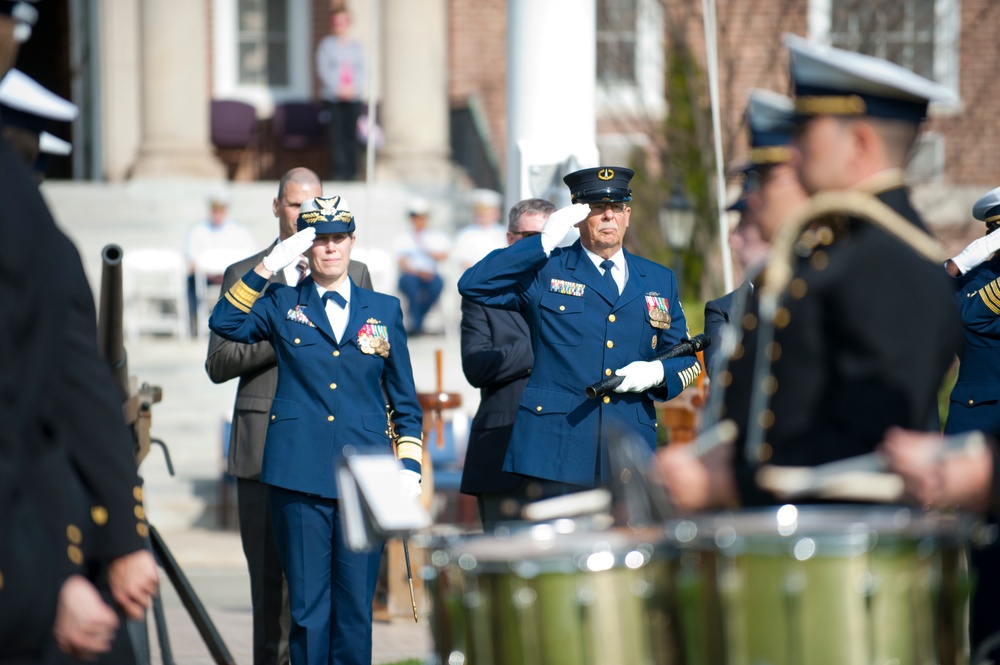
(303,268)
(607,265)
(335,297)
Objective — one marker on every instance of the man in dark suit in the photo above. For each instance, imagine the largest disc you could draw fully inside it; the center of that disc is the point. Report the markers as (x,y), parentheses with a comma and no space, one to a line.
(255,366)
(342,357)
(497,359)
(593,310)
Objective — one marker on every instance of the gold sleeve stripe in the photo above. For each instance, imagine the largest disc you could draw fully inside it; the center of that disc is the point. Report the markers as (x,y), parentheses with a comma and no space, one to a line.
(689,375)
(991,296)
(408,447)
(242,296)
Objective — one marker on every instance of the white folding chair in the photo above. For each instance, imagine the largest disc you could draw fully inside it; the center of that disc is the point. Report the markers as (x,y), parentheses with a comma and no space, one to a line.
(211,263)
(154,290)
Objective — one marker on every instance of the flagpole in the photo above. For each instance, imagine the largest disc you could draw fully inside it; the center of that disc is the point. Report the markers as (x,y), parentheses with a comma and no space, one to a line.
(712,56)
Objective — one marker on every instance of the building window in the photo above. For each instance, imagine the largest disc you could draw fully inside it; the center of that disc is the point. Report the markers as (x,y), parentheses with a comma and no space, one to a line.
(921,35)
(630,57)
(263,42)
(616,41)
(261,51)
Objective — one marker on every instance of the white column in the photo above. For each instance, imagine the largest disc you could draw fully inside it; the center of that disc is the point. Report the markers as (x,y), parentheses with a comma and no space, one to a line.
(175,104)
(551,74)
(121,88)
(415,102)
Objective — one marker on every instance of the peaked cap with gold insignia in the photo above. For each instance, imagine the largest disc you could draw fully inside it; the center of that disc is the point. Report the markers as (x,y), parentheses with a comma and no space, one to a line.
(600,184)
(326,215)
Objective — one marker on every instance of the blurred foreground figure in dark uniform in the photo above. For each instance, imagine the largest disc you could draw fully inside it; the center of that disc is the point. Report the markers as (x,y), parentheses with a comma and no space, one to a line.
(852,326)
(771,193)
(594,310)
(70,504)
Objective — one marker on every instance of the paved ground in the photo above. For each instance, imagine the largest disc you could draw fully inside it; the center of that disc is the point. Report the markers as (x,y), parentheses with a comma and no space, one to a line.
(213,563)
(189,508)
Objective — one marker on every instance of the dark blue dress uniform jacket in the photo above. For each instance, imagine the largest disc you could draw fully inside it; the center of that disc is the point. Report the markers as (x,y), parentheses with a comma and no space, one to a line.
(579,339)
(329,395)
(975,399)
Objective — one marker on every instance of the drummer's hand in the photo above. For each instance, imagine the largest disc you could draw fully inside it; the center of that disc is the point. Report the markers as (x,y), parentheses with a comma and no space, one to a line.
(912,455)
(965,480)
(698,483)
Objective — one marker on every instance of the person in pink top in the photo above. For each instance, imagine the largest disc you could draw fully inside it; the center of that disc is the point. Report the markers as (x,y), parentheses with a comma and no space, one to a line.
(340,65)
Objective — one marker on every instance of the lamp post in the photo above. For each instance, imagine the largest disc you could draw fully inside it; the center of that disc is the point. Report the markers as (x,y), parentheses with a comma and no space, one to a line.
(677,224)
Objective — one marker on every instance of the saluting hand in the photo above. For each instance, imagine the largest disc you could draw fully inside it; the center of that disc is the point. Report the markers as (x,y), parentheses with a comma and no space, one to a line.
(977,252)
(289,249)
(560,222)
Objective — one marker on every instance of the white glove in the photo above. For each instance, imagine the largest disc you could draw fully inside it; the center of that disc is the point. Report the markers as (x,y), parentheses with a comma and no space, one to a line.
(289,249)
(411,483)
(977,252)
(560,222)
(640,376)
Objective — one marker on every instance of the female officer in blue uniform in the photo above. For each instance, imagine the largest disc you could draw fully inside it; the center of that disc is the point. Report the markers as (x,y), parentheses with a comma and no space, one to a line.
(341,352)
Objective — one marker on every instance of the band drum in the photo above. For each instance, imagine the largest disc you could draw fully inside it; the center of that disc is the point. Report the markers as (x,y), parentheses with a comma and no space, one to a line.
(823,585)
(546,596)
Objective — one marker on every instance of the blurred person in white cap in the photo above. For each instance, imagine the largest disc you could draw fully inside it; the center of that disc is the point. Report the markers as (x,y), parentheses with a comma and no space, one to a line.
(70,501)
(342,358)
(26,110)
(418,253)
(219,231)
(853,302)
(770,193)
(485,234)
(858,119)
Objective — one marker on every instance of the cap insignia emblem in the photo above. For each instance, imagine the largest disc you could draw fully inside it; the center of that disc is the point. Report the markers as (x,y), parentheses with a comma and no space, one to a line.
(329,205)
(606,174)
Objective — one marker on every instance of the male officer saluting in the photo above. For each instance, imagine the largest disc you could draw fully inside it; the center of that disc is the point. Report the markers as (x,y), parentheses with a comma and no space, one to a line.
(593,310)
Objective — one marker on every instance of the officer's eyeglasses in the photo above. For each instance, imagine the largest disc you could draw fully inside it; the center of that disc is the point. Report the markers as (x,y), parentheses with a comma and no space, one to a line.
(526,234)
(599,208)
